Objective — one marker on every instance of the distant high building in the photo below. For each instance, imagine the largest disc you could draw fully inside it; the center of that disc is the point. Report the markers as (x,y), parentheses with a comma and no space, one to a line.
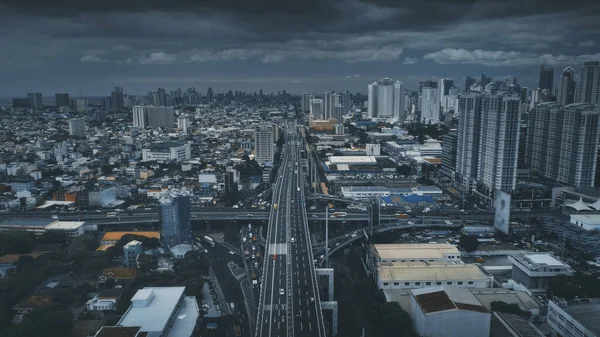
(160,117)
(305,102)
(81,105)
(263,142)
(346,104)
(469,81)
(546,80)
(140,116)
(62,100)
(316,108)
(116,99)
(386,99)
(467,151)
(35,100)
(589,83)
(162,97)
(328,104)
(430,105)
(209,95)
(444,85)
(449,154)
(77,127)
(562,142)
(183,123)
(499,143)
(567,87)
(175,217)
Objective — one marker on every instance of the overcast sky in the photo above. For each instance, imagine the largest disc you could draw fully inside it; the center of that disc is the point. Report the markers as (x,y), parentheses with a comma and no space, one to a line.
(88,47)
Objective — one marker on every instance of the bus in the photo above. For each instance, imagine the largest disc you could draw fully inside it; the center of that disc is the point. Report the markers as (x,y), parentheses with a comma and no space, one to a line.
(112,214)
(339,214)
(401,215)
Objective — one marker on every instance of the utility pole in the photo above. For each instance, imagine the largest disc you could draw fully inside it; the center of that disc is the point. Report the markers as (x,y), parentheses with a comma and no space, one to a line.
(327,236)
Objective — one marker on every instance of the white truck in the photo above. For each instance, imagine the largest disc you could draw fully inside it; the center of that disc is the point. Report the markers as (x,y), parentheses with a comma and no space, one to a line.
(209,240)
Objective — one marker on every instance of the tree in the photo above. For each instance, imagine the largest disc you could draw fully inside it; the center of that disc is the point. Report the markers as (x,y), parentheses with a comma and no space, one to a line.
(403,170)
(393,321)
(469,242)
(53,237)
(512,308)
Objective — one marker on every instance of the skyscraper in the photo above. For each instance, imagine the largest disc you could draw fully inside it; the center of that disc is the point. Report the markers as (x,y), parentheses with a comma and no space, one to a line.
(328,104)
(449,154)
(316,108)
(263,143)
(209,95)
(35,100)
(430,105)
(116,99)
(589,83)
(62,100)
(444,85)
(160,117)
(175,217)
(77,127)
(346,104)
(183,122)
(546,80)
(305,102)
(469,81)
(140,116)
(386,99)
(467,152)
(499,144)
(567,87)
(544,135)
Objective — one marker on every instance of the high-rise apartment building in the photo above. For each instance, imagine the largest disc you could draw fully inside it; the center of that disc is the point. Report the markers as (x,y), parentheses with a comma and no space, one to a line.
(305,102)
(546,80)
(449,154)
(328,104)
(346,104)
(589,83)
(160,117)
(567,87)
(263,142)
(116,99)
(175,217)
(386,99)
(62,100)
(316,108)
(467,152)
(35,100)
(183,122)
(209,95)
(140,116)
(162,97)
(498,144)
(430,105)
(562,142)
(77,127)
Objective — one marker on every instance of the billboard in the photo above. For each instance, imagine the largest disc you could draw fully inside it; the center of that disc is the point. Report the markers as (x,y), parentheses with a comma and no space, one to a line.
(501,211)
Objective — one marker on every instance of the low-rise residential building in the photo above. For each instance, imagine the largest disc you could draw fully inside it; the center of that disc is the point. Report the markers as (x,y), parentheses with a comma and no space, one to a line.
(72,228)
(105,300)
(534,271)
(448,312)
(117,274)
(131,251)
(165,151)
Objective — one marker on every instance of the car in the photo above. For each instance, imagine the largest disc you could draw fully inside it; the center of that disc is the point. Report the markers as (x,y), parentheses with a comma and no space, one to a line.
(248,214)
(293,240)
(315,216)
(354,235)
(231,252)
(281,291)
(55,217)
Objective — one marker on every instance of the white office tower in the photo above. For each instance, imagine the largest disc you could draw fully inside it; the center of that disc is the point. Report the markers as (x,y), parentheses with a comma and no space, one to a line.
(589,83)
(328,104)
(140,116)
(183,122)
(562,142)
(430,105)
(305,102)
(567,87)
(77,127)
(467,151)
(386,99)
(444,85)
(263,142)
(499,143)
(160,117)
(316,108)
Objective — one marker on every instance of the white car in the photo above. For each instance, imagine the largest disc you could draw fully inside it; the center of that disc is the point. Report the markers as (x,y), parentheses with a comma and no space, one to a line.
(231,252)
(293,240)
(281,291)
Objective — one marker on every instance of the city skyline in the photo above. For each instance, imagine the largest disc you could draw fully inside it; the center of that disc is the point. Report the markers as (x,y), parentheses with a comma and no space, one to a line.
(83,48)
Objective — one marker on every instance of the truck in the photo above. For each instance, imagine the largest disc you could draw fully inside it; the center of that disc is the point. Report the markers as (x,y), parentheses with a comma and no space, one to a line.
(274,206)
(209,240)
(232,306)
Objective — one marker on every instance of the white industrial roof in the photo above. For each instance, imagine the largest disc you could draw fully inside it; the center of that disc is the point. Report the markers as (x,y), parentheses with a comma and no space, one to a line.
(155,315)
(544,259)
(424,272)
(579,205)
(352,160)
(587,218)
(185,321)
(415,251)
(65,225)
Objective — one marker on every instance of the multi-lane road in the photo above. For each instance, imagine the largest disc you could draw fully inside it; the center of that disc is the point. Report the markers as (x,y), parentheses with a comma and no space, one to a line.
(289,301)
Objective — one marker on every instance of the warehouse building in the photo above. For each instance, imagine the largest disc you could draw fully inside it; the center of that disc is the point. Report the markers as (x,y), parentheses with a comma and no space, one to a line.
(534,271)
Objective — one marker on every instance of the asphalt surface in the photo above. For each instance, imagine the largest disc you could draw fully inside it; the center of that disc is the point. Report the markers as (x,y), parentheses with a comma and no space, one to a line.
(289,302)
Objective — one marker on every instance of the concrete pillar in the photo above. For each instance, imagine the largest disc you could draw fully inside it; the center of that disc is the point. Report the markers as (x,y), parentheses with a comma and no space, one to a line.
(329,273)
(332,305)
